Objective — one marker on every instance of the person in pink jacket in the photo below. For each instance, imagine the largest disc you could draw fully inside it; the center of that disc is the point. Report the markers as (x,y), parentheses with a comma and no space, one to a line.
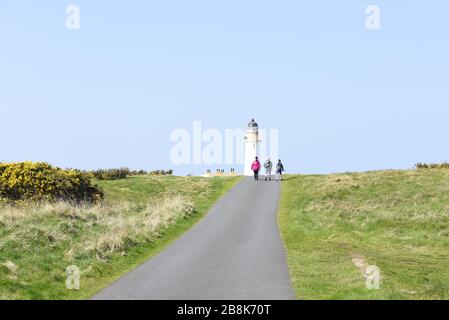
(255,167)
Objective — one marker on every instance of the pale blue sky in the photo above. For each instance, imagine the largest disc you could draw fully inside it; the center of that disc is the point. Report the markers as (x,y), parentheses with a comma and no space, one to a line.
(344,98)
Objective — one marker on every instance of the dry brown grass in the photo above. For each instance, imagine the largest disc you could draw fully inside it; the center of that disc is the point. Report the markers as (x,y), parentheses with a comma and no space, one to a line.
(99,229)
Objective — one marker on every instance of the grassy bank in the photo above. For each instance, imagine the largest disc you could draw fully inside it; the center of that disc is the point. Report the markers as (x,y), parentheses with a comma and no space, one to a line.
(334,226)
(140,216)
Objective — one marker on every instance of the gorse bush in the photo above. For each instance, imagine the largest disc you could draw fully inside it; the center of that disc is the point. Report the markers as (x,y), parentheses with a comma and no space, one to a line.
(444,165)
(41,181)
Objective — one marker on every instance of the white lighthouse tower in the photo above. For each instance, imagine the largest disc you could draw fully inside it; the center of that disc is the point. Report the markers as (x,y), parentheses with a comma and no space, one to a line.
(251,146)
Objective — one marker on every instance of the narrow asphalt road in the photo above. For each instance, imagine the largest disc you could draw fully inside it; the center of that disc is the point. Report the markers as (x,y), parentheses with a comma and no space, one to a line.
(235,252)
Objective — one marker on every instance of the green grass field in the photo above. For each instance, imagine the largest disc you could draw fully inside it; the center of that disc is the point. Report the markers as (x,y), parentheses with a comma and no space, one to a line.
(140,216)
(335,225)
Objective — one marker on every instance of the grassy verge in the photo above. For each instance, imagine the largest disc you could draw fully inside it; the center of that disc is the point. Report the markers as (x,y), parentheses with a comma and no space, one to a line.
(334,226)
(139,218)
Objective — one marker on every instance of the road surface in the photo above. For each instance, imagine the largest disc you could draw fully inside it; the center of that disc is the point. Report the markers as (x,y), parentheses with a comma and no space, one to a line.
(234,253)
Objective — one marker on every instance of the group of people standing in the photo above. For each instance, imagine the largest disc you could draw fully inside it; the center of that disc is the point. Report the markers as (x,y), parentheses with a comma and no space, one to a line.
(268,165)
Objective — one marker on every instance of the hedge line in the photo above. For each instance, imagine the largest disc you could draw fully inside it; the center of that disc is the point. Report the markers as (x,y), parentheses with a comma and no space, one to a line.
(122,173)
(444,165)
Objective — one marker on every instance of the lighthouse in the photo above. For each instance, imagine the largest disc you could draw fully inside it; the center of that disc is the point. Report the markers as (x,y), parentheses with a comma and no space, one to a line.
(251,146)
